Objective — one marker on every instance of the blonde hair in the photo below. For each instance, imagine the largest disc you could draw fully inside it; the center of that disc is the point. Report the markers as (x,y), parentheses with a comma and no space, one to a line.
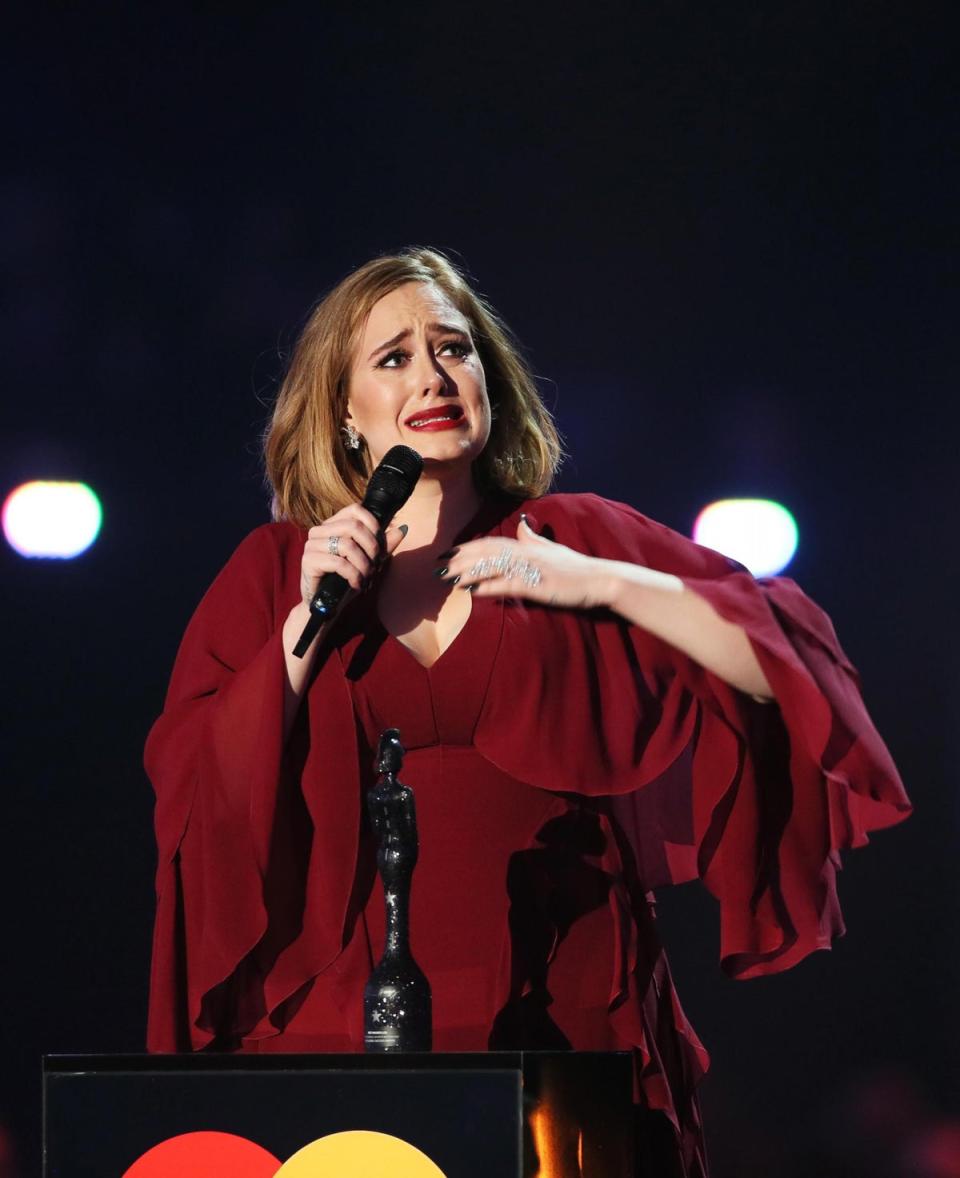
(309,469)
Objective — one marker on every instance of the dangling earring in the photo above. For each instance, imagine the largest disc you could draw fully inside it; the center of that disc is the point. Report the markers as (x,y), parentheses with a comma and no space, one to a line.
(351,438)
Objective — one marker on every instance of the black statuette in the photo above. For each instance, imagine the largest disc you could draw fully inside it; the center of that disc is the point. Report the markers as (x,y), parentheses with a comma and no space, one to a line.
(397,1009)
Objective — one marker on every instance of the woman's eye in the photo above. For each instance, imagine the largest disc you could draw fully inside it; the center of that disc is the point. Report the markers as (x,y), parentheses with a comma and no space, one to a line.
(393,359)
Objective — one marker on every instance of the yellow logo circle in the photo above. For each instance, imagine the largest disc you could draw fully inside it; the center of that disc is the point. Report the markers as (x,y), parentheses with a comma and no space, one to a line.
(359,1153)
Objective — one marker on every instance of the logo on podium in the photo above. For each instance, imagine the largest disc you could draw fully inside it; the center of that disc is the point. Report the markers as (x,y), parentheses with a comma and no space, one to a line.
(352,1154)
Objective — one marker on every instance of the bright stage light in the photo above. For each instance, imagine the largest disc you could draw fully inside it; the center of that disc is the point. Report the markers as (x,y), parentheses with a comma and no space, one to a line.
(54,520)
(758,533)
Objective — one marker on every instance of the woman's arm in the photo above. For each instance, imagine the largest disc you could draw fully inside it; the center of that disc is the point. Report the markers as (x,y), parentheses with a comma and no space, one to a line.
(357,545)
(658,602)
(298,670)
(663,606)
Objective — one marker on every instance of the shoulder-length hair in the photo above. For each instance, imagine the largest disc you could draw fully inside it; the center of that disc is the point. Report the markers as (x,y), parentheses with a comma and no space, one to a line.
(309,469)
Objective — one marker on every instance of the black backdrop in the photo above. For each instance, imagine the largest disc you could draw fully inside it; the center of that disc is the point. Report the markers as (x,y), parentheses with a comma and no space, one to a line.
(727,235)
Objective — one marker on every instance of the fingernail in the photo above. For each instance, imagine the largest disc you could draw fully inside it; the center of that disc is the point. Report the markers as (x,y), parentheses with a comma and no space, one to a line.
(441,572)
(404,529)
(470,588)
(448,555)
(456,580)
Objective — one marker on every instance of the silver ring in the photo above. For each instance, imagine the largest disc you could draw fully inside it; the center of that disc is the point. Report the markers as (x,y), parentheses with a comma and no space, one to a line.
(528,573)
(508,566)
(333,545)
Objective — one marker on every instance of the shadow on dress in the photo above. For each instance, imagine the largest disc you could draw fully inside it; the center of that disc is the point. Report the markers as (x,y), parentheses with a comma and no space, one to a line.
(550,887)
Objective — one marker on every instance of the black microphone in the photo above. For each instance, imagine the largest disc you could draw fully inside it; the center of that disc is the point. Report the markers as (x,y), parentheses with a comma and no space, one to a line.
(390,486)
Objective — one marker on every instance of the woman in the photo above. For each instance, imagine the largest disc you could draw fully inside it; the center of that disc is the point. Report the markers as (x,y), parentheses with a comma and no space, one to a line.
(592,706)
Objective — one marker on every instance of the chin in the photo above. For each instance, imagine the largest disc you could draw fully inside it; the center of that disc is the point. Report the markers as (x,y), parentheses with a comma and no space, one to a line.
(440,449)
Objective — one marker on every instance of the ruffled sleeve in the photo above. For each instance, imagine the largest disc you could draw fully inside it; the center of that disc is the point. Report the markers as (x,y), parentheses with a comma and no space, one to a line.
(756,799)
(242,916)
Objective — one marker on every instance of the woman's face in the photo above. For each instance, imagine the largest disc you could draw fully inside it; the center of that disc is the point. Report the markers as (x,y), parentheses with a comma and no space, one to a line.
(416,380)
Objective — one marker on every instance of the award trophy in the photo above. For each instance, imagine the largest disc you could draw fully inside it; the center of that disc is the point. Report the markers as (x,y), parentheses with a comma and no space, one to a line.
(396,999)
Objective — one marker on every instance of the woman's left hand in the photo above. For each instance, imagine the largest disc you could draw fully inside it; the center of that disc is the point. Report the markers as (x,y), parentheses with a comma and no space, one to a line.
(535,568)
(531,567)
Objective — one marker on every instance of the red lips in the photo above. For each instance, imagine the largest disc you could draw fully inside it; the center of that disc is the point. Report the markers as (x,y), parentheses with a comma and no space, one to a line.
(439,417)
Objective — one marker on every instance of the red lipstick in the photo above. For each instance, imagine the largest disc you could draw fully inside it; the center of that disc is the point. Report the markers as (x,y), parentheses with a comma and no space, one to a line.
(438,418)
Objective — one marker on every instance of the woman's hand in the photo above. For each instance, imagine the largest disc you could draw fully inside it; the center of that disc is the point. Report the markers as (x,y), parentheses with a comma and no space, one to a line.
(531,567)
(350,543)
(534,568)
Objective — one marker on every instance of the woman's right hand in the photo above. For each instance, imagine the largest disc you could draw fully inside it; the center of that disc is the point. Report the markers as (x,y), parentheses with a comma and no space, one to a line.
(361,546)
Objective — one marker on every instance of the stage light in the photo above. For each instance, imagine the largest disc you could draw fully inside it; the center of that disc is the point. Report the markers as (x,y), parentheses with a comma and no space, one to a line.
(758,533)
(53,520)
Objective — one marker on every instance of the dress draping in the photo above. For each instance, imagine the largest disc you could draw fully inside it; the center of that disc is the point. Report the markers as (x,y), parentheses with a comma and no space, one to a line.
(565,763)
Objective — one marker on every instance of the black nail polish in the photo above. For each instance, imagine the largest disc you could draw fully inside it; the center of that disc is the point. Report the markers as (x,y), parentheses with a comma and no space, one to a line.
(441,572)
(456,580)
(469,588)
(448,555)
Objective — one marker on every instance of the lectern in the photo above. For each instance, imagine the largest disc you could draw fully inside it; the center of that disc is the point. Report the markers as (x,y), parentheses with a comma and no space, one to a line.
(493,1115)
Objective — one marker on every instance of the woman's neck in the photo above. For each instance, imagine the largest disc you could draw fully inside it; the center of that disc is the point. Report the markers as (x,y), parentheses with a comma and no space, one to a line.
(438,509)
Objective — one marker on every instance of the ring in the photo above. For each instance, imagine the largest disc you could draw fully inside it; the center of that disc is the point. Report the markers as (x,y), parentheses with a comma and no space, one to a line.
(333,545)
(483,566)
(505,565)
(531,575)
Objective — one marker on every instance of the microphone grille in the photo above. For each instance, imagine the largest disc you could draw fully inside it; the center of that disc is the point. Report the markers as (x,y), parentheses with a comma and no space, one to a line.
(392,483)
(406,462)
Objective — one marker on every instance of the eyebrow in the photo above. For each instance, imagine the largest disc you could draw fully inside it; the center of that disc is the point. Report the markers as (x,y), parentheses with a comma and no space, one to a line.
(439,328)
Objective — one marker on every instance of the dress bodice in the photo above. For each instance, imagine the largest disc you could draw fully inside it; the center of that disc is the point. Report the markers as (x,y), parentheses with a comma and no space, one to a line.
(508,902)
(436,705)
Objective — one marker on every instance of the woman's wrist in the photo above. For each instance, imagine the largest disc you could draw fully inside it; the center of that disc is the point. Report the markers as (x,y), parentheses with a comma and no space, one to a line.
(297,617)
(297,668)
(620,583)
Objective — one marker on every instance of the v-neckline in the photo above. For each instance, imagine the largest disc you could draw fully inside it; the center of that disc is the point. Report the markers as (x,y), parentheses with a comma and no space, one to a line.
(490,512)
(403,646)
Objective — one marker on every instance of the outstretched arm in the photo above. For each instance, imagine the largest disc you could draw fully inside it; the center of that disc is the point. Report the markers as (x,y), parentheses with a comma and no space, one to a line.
(536,569)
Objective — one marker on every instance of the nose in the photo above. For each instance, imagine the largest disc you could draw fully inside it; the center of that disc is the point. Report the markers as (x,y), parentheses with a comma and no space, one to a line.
(430,376)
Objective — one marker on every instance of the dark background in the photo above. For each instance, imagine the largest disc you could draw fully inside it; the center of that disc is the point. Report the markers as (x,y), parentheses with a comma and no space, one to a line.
(727,234)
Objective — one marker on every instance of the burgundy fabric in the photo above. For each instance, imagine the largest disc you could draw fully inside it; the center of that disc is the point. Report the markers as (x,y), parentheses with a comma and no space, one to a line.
(564,764)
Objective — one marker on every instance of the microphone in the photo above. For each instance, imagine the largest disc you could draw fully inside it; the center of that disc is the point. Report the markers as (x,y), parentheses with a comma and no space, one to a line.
(390,486)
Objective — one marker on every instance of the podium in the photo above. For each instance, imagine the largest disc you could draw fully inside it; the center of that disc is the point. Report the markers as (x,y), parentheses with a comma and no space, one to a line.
(491,1115)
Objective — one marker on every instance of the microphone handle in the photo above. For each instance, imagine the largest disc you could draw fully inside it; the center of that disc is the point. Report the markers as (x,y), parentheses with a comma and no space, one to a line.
(309,633)
(389,487)
(330,593)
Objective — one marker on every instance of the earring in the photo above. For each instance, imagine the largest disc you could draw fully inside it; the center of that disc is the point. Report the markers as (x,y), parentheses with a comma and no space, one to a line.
(351,438)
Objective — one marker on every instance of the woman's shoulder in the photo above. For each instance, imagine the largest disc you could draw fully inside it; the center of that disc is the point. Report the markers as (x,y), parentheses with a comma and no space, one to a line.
(263,557)
(268,543)
(607,527)
(586,511)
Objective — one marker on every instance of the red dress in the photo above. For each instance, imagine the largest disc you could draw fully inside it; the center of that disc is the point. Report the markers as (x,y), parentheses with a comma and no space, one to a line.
(564,764)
